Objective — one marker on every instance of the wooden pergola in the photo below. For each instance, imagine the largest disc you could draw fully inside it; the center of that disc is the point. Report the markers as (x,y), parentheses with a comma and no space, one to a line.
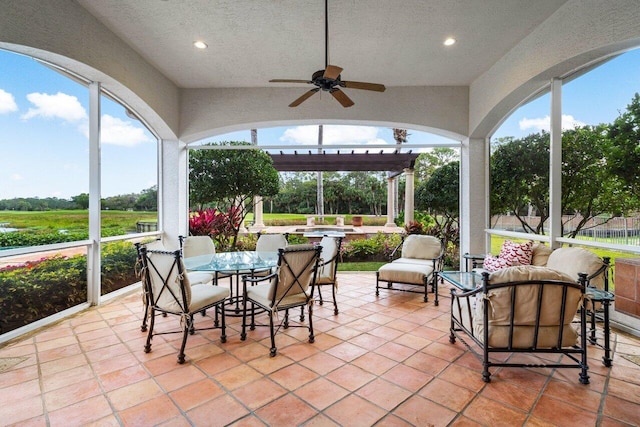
(395,163)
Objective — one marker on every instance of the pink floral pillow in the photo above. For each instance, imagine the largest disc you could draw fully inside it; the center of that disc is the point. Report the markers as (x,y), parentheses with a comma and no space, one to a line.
(511,254)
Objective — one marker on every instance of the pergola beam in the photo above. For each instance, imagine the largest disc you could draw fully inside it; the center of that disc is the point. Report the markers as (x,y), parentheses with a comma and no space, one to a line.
(387,162)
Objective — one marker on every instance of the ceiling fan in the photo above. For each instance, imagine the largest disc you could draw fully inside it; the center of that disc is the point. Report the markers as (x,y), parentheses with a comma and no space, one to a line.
(329,79)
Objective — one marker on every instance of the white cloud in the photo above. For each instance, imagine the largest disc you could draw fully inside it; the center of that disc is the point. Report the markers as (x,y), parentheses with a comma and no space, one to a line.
(544,123)
(17,177)
(7,102)
(308,135)
(60,105)
(119,132)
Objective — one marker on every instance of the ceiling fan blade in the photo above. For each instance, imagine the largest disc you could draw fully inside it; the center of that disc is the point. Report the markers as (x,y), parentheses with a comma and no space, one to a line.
(288,81)
(303,98)
(342,98)
(332,72)
(362,85)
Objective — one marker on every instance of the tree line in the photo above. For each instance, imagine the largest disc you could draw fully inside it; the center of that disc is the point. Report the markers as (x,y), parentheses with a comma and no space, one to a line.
(146,200)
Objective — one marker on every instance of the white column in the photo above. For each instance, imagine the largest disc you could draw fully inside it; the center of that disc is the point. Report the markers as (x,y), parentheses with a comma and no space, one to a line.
(258,206)
(408,196)
(390,201)
(555,164)
(95,208)
(474,196)
(173,193)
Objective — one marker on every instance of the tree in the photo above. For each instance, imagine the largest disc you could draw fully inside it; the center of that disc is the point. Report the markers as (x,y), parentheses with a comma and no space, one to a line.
(440,195)
(623,155)
(82,200)
(520,179)
(427,163)
(230,179)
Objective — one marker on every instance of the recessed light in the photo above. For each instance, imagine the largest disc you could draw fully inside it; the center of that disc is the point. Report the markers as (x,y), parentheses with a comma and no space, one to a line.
(450,41)
(200,44)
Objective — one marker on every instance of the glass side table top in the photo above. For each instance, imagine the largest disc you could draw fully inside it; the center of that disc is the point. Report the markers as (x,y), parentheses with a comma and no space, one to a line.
(232,261)
(462,279)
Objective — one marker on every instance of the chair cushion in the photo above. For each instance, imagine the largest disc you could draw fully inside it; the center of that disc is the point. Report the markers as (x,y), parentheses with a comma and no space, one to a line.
(572,261)
(198,245)
(326,273)
(262,295)
(420,246)
(404,272)
(500,301)
(199,277)
(206,295)
(540,254)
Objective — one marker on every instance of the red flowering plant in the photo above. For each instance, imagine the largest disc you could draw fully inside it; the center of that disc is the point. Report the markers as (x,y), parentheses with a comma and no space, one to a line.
(219,225)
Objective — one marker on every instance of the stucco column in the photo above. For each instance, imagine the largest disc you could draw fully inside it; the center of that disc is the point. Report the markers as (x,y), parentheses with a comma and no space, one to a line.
(173,192)
(258,220)
(474,196)
(390,201)
(555,165)
(408,196)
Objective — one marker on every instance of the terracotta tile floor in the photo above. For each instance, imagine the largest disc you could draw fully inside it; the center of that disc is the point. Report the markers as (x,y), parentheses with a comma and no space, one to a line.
(382,361)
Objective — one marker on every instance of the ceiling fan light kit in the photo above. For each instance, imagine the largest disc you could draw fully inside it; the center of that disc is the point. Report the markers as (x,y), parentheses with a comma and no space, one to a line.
(329,79)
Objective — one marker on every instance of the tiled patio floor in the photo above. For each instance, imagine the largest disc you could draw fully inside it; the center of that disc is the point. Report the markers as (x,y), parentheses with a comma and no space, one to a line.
(382,361)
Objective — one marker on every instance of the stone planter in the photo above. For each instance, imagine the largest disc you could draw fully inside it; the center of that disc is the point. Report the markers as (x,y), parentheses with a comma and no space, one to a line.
(356,221)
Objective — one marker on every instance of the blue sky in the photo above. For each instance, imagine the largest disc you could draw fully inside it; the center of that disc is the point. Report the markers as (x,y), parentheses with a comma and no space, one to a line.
(44,145)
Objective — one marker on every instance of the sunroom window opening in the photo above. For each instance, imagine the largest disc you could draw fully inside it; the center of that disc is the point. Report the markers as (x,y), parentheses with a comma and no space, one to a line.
(129,172)
(599,182)
(45,162)
(519,170)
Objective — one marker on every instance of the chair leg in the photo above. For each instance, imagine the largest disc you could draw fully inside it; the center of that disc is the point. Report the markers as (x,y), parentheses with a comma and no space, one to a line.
(377,284)
(335,302)
(152,318)
(223,334)
(302,314)
(312,337)
(243,334)
(186,331)
(286,319)
(272,351)
(143,327)
(320,300)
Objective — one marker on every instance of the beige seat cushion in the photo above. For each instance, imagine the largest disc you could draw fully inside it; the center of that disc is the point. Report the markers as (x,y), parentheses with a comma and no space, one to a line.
(572,261)
(499,301)
(540,254)
(403,272)
(420,246)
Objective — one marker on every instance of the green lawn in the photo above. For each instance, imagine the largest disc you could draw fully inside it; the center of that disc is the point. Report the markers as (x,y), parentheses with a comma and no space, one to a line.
(73,220)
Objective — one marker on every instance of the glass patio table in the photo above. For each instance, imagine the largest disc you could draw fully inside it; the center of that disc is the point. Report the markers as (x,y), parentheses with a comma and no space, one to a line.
(233,265)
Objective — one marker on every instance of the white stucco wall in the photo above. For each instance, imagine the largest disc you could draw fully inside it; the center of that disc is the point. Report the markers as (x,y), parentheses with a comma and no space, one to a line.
(203,111)
(579,33)
(64,34)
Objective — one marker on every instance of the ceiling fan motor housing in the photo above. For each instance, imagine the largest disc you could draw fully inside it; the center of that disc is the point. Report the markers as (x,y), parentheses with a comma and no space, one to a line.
(324,83)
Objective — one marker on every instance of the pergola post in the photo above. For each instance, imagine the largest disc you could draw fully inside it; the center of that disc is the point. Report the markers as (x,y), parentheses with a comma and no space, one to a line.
(474,196)
(390,201)
(408,195)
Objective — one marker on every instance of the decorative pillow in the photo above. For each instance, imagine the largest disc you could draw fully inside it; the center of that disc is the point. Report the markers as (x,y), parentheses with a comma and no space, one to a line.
(511,254)
(517,253)
(492,263)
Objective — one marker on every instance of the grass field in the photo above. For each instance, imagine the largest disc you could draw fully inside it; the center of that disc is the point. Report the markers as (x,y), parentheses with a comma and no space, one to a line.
(73,220)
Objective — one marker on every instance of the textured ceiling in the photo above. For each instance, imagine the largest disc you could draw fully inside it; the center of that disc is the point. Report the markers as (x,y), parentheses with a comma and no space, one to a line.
(393,42)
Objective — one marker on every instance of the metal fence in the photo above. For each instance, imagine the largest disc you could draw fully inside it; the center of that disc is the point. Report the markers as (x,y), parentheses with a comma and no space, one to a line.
(618,230)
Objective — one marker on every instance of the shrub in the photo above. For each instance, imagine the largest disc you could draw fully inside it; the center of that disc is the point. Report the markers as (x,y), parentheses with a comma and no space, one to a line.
(375,248)
(37,289)
(34,290)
